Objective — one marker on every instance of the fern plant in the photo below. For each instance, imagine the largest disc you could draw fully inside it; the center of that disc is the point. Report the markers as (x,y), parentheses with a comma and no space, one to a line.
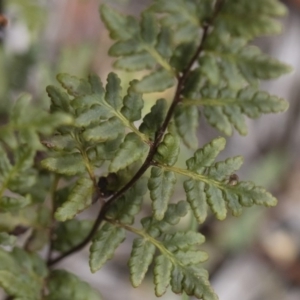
(95,146)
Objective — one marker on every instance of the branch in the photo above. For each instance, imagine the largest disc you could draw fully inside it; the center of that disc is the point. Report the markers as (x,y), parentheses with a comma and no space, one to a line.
(153,147)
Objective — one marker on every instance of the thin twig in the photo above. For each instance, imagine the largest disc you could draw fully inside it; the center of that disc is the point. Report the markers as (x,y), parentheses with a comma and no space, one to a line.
(153,147)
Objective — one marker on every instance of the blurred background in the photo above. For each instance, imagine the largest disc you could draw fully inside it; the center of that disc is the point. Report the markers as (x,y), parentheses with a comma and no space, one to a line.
(254,257)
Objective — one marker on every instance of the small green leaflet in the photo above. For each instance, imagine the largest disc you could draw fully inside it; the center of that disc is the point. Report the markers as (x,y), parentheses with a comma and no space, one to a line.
(187,121)
(133,104)
(161,185)
(66,164)
(155,82)
(131,150)
(76,87)
(79,199)
(104,244)
(168,150)
(154,119)
(141,257)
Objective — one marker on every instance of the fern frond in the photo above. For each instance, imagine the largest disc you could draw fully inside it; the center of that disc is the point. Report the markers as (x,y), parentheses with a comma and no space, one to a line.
(209,184)
(179,260)
(237,63)
(251,19)
(224,108)
(143,47)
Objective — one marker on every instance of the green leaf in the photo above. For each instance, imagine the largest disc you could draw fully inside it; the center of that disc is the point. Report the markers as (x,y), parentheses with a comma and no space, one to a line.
(132,104)
(162,274)
(29,121)
(63,285)
(104,244)
(153,120)
(149,28)
(7,239)
(96,85)
(238,18)
(79,199)
(204,157)
(161,185)
(113,91)
(12,176)
(196,197)
(218,119)
(131,150)
(131,46)
(168,150)
(187,121)
(222,170)
(120,27)
(66,164)
(94,114)
(250,194)
(14,203)
(172,217)
(225,108)
(135,62)
(183,17)
(239,63)
(26,271)
(210,184)
(106,131)
(88,100)
(60,142)
(59,99)
(30,216)
(155,82)
(216,202)
(104,151)
(141,257)
(70,233)
(209,67)
(125,208)
(182,240)
(76,87)
(191,257)
(193,281)
(164,42)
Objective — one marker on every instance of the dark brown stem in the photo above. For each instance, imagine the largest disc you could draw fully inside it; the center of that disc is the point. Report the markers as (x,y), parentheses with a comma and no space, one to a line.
(159,135)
